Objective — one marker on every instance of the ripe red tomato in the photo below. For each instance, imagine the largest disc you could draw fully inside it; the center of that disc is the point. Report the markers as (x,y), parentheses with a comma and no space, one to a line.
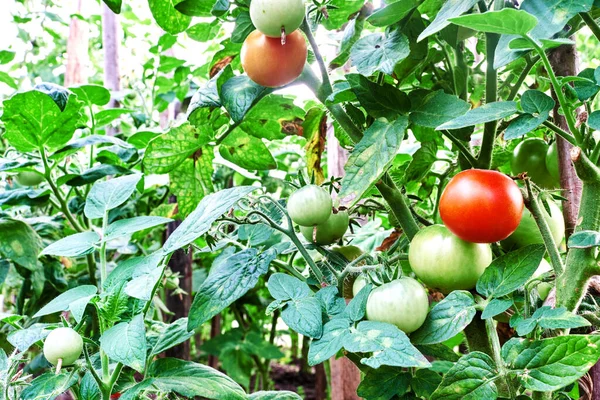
(481,206)
(271,64)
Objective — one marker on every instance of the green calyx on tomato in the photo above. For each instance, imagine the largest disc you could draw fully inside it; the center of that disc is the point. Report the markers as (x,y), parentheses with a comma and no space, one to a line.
(272,16)
(329,231)
(528,232)
(445,262)
(481,206)
(63,344)
(310,205)
(530,156)
(29,178)
(402,302)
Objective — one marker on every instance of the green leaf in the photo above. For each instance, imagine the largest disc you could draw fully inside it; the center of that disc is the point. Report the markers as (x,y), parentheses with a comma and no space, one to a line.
(33,119)
(23,339)
(188,379)
(243,27)
(19,243)
(167,17)
(584,240)
(172,335)
(125,269)
(286,287)
(486,113)
(201,219)
(195,8)
(92,94)
(357,307)
(495,307)
(74,300)
(438,108)
(80,143)
(304,316)
(75,245)
(11,165)
(585,89)
(392,13)
(450,9)
(384,383)
(8,80)
(363,168)
(471,378)
(352,33)
(48,386)
(114,5)
(378,52)
(126,343)
(333,304)
(546,44)
(536,102)
(389,345)
(335,332)
(594,120)
(105,117)
(144,278)
(380,101)
(192,180)
(507,21)
(24,197)
(425,382)
(247,151)
(92,175)
(228,281)
(446,319)
(524,124)
(127,227)
(509,272)
(6,56)
(551,364)
(88,388)
(273,117)
(550,318)
(204,31)
(274,395)
(421,163)
(238,94)
(107,195)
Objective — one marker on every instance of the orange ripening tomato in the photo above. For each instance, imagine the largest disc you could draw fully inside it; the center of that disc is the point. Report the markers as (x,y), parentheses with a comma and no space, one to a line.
(481,206)
(271,64)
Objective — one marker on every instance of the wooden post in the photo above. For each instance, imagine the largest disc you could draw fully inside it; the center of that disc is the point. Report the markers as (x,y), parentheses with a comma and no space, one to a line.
(110,42)
(77,51)
(345,376)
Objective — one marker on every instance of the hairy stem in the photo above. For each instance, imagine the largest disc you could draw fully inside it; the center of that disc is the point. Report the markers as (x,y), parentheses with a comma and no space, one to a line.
(397,202)
(531,61)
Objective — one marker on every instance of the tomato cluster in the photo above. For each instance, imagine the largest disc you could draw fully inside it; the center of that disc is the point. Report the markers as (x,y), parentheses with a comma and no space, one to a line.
(275,53)
(540,161)
(311,207)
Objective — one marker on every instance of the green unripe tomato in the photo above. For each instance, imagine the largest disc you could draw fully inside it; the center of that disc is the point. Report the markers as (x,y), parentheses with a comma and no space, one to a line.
(402,302)
(270,16)
(328,232)
(309,206)
(530,156)
(29,178)
(358,284)
(528,232)
(63,343)
(543,288)
(552,161)
(446,262)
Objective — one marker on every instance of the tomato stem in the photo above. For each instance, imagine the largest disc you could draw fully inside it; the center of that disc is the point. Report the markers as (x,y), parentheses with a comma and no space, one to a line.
(533,205)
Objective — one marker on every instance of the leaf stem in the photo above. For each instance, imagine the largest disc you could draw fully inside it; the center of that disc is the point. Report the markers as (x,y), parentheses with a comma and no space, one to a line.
(591,23)
(461,148)
(531,61)
(560,132)
(558,90)
(533,205)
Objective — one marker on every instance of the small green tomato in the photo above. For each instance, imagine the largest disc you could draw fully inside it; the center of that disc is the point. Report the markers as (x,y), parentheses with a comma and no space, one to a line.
(63,343)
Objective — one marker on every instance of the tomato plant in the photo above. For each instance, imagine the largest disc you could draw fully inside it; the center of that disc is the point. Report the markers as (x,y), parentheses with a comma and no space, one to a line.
(445,262)
(270,63)
(481,206)
(158,238)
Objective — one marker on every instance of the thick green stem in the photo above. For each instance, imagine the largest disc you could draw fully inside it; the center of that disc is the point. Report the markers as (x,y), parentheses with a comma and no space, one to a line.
(536,211)
(560,132)
(398,205)
(581,264)
(589,21)
(462,72)
(504,385)
(477,336)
